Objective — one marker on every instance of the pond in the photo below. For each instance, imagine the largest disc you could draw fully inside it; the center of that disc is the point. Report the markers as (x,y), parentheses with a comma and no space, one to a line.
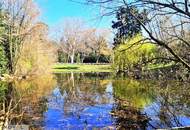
(94,101)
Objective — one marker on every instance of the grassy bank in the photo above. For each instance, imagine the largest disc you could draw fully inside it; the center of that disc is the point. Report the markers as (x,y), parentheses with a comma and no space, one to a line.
(67,67)
(82,68)
(159,66)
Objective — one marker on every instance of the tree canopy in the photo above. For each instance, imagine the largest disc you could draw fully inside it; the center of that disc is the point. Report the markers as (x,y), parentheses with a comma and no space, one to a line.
(127,25)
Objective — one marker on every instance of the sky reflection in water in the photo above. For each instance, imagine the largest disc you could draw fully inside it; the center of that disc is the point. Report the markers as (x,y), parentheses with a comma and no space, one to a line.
(86,102)
(78,116)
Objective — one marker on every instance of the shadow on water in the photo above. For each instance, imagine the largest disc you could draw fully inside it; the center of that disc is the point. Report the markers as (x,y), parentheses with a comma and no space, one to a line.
(94,100)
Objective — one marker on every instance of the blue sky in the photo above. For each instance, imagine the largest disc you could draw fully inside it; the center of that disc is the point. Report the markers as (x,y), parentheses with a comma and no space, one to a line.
(55,11)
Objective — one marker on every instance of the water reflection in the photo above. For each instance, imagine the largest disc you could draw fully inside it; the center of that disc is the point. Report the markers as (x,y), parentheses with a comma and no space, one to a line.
(132,96)
(23,101)
(80,102)
(95,100)
(171,107)
(165,104)
(138,93)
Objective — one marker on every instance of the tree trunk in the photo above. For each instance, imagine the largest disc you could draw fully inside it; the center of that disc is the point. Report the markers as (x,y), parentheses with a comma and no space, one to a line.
(82,58)
(97,60)
(72,58)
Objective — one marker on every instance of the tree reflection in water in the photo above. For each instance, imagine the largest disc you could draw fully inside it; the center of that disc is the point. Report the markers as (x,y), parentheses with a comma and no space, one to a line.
(94,100)
(23,102)
(131,97)
(165,104)
(85,102)
(172,105)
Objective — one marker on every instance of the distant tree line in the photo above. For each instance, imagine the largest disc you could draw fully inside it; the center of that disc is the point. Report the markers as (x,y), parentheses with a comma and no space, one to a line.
(80,44)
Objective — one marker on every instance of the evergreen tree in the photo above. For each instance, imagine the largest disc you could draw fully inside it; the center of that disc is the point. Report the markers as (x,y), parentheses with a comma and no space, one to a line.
(127,24)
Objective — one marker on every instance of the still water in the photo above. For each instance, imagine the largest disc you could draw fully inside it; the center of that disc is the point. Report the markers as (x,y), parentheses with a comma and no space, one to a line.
(98,100)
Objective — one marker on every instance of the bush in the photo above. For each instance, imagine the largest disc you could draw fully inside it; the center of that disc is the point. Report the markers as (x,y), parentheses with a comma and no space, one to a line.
(3,61)
(133,54)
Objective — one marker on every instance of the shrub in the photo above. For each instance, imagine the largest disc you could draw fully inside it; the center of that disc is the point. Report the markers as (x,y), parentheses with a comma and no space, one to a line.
(133,54)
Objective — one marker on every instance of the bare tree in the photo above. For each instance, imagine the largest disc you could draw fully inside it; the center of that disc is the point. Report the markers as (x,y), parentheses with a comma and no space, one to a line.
(86,46)
(71,39)
(21,15)
(100,43)
(78,39)
(94,41)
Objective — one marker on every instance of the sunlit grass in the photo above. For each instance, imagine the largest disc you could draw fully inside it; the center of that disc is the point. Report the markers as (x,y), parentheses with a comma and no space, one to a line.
(159,66)
(82,68)
(66,67)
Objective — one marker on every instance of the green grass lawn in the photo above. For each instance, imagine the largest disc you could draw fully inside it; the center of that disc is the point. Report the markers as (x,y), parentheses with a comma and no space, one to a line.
(159,66)
(82,68)
(66,67)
